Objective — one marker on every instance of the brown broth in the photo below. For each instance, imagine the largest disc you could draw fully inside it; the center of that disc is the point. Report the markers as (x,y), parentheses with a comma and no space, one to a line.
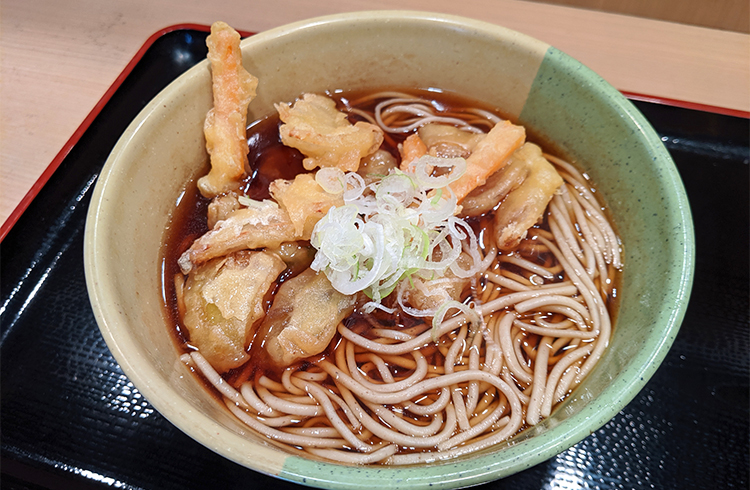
(187,223)
(268,159)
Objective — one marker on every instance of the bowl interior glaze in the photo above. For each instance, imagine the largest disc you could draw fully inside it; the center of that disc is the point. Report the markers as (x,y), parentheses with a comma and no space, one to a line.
(558,99)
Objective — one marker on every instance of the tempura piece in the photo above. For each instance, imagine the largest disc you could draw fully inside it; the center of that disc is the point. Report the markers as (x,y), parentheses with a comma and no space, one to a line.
(429,294)
(412,149)
(296,255)
(324,135)
(376,166)
(486,197)
(447,141)
(260,226)
(224,128)
(221,207)
(490,154)
(525,205)
(224,301)
(305,202)
(303,319)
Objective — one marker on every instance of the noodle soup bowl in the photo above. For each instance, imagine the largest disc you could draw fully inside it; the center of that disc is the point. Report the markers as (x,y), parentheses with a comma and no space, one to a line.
(562,103)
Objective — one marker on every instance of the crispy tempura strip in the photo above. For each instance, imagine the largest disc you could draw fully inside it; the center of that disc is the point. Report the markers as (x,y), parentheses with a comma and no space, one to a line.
(264,226)
(221,207)
(489,156)
(412,149)
(233,89)
(486,197)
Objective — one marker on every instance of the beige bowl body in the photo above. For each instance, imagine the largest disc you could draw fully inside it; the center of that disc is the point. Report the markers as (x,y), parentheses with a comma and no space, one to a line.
(555,96)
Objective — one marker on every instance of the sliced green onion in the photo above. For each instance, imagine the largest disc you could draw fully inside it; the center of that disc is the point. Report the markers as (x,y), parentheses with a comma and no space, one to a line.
(331,179)
(389,230)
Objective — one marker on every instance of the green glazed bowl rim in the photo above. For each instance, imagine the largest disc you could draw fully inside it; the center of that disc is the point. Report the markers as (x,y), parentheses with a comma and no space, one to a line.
(487,465)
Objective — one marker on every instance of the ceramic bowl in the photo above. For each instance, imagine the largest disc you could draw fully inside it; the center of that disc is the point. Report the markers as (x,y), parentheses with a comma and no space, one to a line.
(555,96)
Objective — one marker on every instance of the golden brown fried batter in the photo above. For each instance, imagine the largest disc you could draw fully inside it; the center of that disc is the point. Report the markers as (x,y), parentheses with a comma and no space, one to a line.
(305,202)
(303,319)
(486,197)
(323,134)
(489,155)
(222,206)
(412,149)
(264,225)
(427,294)
(525,205)
(224,128)
(224,301)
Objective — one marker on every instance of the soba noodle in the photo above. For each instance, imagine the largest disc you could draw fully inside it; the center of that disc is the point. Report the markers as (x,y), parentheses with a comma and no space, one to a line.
(388,393)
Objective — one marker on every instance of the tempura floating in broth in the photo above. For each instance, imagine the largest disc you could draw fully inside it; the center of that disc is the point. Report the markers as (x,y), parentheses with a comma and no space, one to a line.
(416,283)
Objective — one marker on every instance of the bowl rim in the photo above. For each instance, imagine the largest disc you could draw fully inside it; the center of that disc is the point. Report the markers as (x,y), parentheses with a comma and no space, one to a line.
(466,471)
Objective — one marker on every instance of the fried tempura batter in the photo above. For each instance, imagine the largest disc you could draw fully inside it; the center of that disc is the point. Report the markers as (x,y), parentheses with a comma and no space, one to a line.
(426,294)
(302,201)
(305,202)
(486,197)
(221,207)
(525,205)
(224,128)
(224,302)
(324,135)
(264,225)
(412,149)
(304,317)
(489,155)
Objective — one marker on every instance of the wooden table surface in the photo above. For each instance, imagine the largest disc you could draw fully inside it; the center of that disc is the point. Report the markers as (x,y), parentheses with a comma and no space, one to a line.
(59,57)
